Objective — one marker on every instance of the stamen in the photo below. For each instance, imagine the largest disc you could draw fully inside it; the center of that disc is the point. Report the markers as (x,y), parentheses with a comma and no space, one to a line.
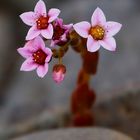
(39,57)
(42,22)
(97,32)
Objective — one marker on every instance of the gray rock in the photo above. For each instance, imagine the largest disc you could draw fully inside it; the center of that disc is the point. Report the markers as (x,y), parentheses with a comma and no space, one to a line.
(77,134)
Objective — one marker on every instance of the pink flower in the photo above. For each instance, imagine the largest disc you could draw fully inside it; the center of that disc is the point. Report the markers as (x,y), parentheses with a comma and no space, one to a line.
(40,21)
(37,56)
(61,33)
(59,71)
(99,32)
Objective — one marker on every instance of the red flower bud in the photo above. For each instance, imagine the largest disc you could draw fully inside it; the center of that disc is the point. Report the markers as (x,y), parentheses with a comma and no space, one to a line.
(59,71)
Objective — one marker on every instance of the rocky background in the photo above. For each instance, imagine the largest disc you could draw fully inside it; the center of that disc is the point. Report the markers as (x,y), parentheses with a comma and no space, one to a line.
(27,101)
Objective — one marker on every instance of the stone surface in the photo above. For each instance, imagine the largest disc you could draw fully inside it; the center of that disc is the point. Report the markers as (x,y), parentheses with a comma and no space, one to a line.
(121,114)
(77,134)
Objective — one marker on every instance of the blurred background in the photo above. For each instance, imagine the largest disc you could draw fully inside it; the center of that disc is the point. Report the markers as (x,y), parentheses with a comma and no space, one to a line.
(27,101)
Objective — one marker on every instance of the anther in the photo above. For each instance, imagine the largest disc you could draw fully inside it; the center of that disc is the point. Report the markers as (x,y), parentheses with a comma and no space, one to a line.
(97,32)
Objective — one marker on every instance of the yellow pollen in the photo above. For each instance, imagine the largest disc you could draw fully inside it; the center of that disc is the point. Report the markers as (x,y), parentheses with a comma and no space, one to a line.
(97,32)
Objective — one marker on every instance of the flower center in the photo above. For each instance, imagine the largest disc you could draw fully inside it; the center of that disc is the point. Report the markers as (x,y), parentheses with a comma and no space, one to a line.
(97,32)
(42,22)
(39,57)
(58,32)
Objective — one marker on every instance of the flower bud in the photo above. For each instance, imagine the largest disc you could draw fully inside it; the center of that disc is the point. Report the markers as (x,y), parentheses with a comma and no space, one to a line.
(59,71)
(61,33)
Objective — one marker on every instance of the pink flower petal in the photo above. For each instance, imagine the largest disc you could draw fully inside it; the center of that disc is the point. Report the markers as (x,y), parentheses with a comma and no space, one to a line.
(47,33)
(32,33)
(35,44)
(29,43)
(24,52)
(109,44)
(112,28)
(52,43)
(42,70)
(68,27)
(64,37)
(48,51)
(98,17)
(40,8)
(30,46)
(28,65)
(59,21)
(82,28)
(28,49)
(38,43)
(53,14)
(28,18)
(92,45)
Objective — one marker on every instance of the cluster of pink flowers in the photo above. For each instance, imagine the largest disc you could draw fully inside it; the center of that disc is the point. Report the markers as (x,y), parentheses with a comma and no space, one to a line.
(46,25)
